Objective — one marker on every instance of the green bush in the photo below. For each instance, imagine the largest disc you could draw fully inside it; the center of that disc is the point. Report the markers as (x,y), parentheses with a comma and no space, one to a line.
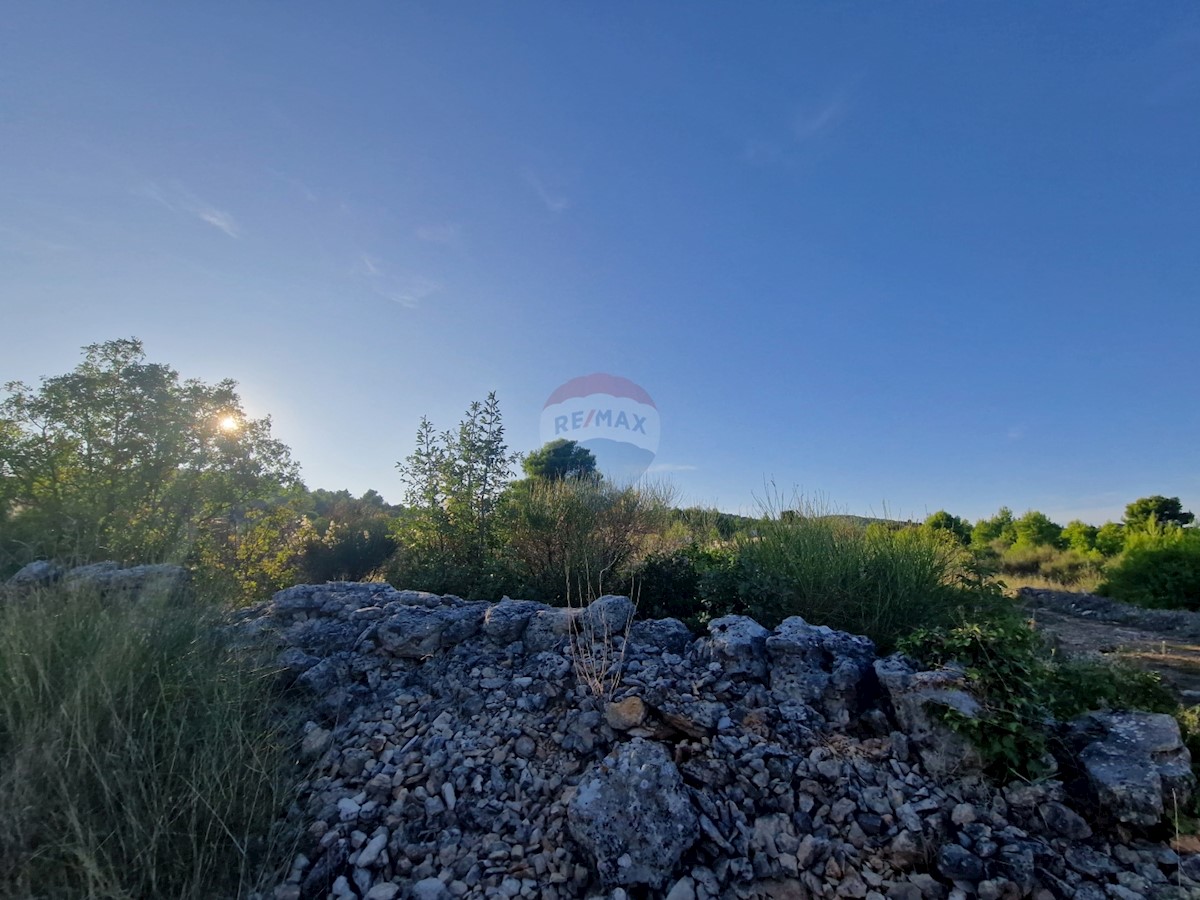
(140,755)
(1023,688)
(871,580)
(1160,569)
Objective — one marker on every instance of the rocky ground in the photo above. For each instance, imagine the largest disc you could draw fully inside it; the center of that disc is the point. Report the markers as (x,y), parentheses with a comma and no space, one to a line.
(1164,641)
(463,749)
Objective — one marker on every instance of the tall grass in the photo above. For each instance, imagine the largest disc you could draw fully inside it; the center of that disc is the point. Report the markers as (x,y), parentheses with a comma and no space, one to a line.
(875,580)
(140,755)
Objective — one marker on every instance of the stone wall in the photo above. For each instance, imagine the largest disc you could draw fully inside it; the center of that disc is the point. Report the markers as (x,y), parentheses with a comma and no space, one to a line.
(468,749)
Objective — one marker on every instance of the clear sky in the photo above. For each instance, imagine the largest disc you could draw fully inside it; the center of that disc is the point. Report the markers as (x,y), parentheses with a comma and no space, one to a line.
(905,255)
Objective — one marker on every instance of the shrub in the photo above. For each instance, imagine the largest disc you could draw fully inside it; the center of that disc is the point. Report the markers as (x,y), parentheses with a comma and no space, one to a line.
(1023,688)
(1160,568)
(1006,672)
(140,755)
(576,536)
(868,580)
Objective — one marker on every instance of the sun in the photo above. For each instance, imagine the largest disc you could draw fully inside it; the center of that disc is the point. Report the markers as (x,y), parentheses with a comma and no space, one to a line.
(229,423)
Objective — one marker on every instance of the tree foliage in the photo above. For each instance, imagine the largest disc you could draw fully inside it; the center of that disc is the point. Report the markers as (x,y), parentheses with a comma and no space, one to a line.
(559,459)
(941,520)
(1163,510)
(122,459)
(453,482)
(1034,529)
(999,527)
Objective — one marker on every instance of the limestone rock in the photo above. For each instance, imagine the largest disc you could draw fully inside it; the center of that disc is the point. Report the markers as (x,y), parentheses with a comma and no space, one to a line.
(820,667)
(633,815)
(739,644)
(37,574)
(917,698)
(606,617)
(1135,763)
(414,633)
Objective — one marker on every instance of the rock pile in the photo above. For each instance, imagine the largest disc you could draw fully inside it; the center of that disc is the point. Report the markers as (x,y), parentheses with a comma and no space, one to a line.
(469,749)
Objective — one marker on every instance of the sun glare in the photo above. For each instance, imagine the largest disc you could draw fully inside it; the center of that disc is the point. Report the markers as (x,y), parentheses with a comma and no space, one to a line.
(229,423)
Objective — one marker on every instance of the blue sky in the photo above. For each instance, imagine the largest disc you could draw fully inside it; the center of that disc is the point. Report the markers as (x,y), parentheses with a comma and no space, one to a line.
(906,256)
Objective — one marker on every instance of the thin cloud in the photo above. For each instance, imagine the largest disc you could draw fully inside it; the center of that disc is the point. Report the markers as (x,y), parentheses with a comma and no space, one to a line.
(660,468)
(1016,432)
(404,290)
(448,234)
(179,199)
(554,201)
(812,123)
(366,265)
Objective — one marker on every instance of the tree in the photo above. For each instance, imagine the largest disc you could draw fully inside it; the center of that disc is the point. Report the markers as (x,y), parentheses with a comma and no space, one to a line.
(941,520)
(1080,536)
(560,459)
(121,459)
(1163,510)
(1110,538)
(453,482)
(1034,529)
(998,527)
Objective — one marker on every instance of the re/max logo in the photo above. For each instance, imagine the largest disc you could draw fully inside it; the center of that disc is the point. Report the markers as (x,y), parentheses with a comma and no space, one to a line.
(576,420)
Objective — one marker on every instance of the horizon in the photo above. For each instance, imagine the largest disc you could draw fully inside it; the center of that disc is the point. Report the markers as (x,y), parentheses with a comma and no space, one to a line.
(904,259)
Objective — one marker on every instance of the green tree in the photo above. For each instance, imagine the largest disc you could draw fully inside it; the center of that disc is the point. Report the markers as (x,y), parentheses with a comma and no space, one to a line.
(121,459)
(941,520)
(453,482)
(1110,538)
(1034,529)
(1163,510)
(998,528)
(559,459)
(1080,536)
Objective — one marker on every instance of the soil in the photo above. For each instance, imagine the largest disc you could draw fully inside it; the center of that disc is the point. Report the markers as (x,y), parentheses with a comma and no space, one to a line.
(1164,641)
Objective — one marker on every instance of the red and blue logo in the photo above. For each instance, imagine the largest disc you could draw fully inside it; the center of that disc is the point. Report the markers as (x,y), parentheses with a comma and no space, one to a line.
(609,415)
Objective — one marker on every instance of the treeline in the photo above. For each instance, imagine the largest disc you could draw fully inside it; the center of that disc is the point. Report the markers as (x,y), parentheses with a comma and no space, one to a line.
(123,459)
(1151,557)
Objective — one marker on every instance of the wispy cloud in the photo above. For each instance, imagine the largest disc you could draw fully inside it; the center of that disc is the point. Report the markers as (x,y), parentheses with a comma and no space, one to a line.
(178,199)
(660,468)
(448,233)
(295,183)
(812,122)
(808,126)
(405,290)
(553,199)
(1016,432)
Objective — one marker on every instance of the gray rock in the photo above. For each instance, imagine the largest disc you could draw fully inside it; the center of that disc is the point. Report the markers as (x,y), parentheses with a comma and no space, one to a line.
(1135,763)
(1065,821)
(633,815)
(659,635)
(547,629)
(815,665)
(37,574)
(415,633)
(112,582)
(429,889)
(918,699)
(506,621)
(739,644)
(959,864)
(606,617)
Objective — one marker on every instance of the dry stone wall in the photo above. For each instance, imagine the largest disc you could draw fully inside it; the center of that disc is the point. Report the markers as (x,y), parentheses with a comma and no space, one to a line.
(468,749)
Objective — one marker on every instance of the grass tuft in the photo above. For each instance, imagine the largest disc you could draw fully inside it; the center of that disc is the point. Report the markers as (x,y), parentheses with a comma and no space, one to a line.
(140,754)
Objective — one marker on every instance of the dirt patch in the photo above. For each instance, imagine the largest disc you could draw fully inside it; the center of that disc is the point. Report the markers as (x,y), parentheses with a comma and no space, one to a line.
(1164,641)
